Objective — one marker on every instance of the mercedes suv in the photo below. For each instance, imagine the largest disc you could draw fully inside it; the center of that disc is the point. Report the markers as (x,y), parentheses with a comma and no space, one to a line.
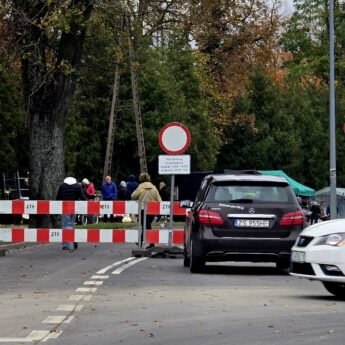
(242,217)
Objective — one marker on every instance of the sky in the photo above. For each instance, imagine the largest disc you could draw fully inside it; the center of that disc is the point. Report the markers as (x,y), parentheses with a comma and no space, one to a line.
(287,6)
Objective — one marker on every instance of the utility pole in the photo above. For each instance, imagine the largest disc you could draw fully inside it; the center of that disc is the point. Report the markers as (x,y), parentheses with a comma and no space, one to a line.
(136,101)
(332,150)
(112,123)
(126,26)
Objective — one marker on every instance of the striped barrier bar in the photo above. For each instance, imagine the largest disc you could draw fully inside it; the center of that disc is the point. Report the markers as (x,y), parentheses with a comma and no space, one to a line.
(88,235)
(86,207)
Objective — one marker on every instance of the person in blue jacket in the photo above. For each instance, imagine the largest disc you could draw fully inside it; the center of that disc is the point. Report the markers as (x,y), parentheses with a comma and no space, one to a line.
(109,193)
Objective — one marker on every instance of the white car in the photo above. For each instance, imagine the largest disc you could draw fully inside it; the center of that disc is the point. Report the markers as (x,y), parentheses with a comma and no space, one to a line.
(319,254)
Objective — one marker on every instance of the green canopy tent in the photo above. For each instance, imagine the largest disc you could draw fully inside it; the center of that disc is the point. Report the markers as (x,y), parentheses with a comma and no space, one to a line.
(298,188)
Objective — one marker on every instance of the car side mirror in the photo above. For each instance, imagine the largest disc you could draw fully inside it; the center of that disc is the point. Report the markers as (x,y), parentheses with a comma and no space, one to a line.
(186,203)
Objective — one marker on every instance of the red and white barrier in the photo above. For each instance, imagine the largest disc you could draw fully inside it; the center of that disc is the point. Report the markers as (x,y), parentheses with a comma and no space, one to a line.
(54,207)
(88,235)
(86,207)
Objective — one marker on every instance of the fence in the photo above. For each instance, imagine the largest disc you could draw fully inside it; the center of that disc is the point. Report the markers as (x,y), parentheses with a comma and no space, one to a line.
(48,207)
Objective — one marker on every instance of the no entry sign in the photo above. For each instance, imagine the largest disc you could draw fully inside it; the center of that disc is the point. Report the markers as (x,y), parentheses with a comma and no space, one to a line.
(174,138)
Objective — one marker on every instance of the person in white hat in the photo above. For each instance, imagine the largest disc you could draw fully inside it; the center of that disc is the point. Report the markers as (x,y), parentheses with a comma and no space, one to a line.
(89,189)
(69,190)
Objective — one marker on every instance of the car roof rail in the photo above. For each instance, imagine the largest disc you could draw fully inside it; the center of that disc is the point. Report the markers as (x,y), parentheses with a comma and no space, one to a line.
(241,172)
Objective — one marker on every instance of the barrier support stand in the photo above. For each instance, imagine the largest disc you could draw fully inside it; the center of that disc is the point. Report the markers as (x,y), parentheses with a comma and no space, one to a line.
(171,220)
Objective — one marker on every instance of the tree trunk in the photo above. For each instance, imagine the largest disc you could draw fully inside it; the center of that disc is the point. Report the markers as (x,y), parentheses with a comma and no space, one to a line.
(49,69)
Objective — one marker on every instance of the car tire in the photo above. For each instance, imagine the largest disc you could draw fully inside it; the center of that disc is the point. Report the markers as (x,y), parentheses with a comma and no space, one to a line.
(196,261)
(336,289)
(283,265)
(186,259)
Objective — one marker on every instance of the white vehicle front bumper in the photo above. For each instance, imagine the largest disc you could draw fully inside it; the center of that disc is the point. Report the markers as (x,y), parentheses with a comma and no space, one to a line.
(311,262)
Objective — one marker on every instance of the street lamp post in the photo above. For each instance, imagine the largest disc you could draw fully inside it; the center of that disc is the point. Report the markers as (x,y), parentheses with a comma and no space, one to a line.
(332,152)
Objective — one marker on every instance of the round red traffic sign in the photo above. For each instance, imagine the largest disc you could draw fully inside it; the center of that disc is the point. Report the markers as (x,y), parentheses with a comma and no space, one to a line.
(174,138)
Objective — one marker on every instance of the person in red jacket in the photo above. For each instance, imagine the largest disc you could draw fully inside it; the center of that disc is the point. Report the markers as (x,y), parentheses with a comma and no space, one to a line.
(89,189)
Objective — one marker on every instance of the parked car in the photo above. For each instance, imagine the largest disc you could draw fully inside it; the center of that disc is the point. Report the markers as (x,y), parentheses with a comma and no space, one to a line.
(319,254)
(241,218)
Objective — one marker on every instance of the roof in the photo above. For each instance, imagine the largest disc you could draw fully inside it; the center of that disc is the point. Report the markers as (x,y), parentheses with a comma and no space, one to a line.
(326,191)
(247,177)
(297,187)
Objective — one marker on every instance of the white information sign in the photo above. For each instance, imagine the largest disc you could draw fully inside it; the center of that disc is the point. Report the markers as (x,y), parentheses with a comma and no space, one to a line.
(174,165)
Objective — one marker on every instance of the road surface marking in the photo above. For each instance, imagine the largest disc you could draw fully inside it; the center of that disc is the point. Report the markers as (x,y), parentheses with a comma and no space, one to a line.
(78,298)
(85,289)
(34,336)
(105,269)
(69,307)
(99,277)
(54,319)
(43,336)
(124,267)
(93,282)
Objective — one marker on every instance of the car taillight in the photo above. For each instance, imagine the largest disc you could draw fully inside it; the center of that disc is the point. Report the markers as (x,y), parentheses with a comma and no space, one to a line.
(292,218)
(209,217)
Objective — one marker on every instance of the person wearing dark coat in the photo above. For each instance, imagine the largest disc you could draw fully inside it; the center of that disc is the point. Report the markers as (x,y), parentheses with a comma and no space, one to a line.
(122,191)
(132,185)
(163,191)
(69,190)
(315,212)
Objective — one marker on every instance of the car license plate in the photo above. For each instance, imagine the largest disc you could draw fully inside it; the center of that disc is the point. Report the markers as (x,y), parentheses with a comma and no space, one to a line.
(297,256)
(251,223)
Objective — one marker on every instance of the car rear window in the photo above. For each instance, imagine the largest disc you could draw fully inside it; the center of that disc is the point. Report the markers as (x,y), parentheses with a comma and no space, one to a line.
(258,192)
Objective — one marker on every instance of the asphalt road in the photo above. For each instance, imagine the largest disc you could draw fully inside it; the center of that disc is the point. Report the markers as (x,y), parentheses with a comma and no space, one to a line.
(57,297)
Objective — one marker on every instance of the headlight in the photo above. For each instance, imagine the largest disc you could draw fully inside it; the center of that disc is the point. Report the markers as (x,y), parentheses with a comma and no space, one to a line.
(335,240)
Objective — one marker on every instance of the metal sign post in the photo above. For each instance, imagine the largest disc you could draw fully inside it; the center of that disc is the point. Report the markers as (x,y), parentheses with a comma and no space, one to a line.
(171,220)
(174,139)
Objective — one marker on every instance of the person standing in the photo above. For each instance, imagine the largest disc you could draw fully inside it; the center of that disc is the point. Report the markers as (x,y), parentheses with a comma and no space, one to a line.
(89,189)
(146,191)
(122,191)
(315,212)
(163,191)
(109,193)
(132,185)
(69,190)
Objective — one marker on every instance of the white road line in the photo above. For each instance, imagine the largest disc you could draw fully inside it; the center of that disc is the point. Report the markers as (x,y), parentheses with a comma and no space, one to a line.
(51,335)
(33,337)
(78,298)
(69,307)
(105,269)
(93,282)
(124,267)
(57,319)
(99,277)
(16,340)
(43,336)
(85,289)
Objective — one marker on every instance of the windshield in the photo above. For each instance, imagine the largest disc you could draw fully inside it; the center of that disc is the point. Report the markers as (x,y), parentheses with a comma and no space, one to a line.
(248,192)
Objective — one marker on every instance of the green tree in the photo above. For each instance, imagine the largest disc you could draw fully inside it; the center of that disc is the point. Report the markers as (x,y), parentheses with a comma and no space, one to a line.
(13,133)
(170,90)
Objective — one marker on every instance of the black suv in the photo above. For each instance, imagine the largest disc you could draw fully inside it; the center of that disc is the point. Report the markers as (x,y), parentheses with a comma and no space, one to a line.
(241,218)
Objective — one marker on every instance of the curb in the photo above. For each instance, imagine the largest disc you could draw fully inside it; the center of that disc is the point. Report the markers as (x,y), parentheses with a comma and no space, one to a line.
(10,246)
